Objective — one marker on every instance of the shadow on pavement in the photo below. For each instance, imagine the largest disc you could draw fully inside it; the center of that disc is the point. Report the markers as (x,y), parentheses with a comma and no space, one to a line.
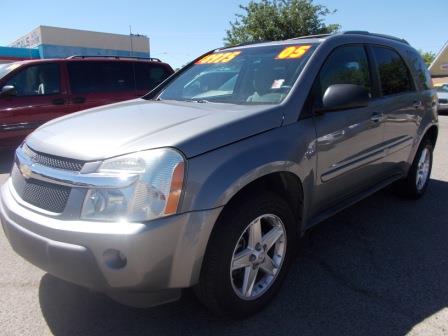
(378,268)
(6,161)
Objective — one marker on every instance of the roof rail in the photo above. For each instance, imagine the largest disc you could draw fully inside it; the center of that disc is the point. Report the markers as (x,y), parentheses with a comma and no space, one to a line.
(115,57)
(265,41)
(243,44)
(362,32)
(310,36)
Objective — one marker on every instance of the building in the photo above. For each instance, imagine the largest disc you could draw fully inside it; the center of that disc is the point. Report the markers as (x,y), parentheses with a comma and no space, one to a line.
(8,54)
(439,67)
(54,42)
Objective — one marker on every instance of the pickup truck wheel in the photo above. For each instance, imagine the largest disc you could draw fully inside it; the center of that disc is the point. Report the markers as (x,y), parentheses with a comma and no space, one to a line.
(248,255)
(416,183)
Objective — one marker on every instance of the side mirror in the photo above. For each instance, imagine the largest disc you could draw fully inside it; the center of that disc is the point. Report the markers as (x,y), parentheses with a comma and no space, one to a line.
(8,91)
(345,96)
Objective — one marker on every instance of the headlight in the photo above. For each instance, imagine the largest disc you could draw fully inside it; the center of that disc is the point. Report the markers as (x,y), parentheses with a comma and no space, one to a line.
(156,193)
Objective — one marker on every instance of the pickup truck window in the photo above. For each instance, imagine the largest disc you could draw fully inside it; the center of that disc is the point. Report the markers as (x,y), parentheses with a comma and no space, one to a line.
(251,75)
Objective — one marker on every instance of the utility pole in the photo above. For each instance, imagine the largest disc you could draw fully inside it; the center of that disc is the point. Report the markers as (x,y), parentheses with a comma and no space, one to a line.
(130,39)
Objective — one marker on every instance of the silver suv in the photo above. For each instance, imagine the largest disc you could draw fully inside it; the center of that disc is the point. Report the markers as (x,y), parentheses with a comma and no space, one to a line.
(210,179)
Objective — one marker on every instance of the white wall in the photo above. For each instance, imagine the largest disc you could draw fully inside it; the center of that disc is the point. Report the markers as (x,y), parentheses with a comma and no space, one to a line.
(82,38)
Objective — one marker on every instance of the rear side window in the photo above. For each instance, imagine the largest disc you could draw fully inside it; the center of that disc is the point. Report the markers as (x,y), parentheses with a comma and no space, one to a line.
(92,77)
(37,80)
(346,65)
(148,75)
(394,74)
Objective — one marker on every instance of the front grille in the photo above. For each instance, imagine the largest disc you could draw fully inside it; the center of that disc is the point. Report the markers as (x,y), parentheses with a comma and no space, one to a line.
(44,195)
(53,161)
(443,101)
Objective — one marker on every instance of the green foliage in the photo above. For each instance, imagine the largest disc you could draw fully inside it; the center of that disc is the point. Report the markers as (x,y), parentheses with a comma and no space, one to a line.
(428,57)
(270,20)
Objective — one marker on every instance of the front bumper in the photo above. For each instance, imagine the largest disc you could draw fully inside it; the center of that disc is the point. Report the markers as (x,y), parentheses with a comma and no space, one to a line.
(162,256)
(443,107)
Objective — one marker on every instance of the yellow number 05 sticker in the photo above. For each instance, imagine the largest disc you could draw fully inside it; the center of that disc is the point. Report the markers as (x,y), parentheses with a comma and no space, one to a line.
(293,52)
(218,58)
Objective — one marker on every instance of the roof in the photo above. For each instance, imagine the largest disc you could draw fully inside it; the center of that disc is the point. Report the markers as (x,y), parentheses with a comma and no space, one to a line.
(320,38)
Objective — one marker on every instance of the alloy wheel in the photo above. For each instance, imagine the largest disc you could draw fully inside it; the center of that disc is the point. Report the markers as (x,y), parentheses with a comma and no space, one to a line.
(423,169)
(258,257)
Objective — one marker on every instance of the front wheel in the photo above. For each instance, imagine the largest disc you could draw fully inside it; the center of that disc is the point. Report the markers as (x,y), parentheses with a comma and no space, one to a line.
(248,255)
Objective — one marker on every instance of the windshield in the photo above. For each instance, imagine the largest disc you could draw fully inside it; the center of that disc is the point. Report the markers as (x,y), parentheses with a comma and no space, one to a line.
(7,68)
(252,75)
(443,88)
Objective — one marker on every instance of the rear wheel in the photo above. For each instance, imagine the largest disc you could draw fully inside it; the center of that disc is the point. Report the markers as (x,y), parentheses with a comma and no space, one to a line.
(415,184)
(248,255)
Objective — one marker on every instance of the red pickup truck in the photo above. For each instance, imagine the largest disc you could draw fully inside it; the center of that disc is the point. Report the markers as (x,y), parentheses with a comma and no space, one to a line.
(36,91)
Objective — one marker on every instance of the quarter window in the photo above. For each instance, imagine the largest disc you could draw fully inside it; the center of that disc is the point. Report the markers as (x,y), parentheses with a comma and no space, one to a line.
(37,80)
(394,74)
(423,77)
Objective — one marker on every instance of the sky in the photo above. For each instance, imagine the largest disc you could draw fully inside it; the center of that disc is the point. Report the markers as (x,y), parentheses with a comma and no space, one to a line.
(180,30)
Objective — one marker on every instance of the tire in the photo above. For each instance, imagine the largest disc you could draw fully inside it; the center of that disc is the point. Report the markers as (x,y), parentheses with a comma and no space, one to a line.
(219,287)
(415,184)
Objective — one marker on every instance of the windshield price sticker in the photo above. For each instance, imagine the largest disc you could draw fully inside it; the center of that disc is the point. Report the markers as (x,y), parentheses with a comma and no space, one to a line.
(219,58)
(293,52)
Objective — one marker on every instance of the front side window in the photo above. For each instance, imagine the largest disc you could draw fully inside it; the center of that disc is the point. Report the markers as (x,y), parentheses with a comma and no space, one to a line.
(99,76)
(345,65)
(394,74)
(37,80)
(251,75)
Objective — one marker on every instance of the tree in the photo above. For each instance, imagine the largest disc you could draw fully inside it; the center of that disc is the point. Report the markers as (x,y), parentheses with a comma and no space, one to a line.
(270,20)
(428,57)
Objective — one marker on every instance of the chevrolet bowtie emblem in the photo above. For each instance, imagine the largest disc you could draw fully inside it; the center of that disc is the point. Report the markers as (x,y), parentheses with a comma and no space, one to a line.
(25,170)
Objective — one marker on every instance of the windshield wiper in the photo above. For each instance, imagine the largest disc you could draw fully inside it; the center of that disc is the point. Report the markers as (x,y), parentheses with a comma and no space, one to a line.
(197,100)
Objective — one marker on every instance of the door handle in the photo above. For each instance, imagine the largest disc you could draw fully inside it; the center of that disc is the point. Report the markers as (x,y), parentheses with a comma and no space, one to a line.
(58,101)
(376,117)
(418,104)
(78,100)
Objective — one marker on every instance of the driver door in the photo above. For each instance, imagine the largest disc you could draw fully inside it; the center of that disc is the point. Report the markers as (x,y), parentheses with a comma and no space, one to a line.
(349,141)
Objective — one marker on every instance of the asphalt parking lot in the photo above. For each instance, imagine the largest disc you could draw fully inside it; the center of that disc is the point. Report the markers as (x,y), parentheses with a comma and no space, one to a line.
(378,268)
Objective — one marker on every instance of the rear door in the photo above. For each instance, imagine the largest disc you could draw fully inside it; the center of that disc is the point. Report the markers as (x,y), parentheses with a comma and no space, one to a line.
(95,83)
(41,96)
(402,104)
(149,75)
(349,142)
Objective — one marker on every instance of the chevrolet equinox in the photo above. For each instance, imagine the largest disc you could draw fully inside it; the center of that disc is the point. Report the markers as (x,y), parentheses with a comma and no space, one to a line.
(210,179)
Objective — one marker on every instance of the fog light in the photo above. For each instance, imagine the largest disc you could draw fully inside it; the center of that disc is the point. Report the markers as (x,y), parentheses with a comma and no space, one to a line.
(114,259)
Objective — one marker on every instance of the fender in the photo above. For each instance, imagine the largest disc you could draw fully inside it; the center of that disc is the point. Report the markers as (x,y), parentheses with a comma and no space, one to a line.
(215,177)
(418,140)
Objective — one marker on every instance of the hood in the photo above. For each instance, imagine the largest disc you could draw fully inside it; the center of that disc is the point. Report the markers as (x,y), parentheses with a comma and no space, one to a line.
(442,95)
(137,125)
